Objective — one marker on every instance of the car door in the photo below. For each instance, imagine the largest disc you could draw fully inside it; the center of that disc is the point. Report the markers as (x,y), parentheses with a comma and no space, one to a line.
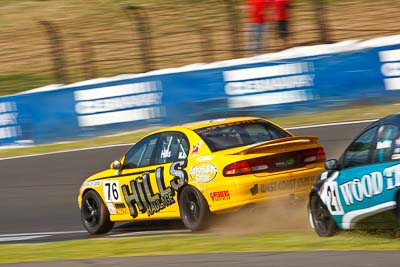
(153,171)
(358,192)
(339,190)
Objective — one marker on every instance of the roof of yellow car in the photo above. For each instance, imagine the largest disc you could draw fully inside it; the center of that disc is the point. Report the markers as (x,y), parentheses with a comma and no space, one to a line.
(208,123)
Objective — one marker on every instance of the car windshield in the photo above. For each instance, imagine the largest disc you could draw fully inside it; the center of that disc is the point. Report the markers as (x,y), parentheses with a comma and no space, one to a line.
(230,135)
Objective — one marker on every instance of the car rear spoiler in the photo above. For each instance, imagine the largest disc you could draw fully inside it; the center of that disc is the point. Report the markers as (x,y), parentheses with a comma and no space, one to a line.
(277,142)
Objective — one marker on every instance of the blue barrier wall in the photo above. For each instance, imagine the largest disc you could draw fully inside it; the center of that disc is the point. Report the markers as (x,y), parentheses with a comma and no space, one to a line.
(306,78)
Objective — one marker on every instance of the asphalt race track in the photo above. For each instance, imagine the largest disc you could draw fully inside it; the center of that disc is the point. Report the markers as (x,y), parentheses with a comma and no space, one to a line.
(252,259)
(39,193)
(39,198)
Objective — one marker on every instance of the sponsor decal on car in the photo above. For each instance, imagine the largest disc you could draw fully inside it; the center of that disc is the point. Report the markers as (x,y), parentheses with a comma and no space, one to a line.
(121,209)
(288,184)
(370,184)
(139,194)
(205,158)
(396,156)
(196,147)
(220,195)
(91,184)
(284,163)
(278,186)
(359,190)
(384,144)
(203,172)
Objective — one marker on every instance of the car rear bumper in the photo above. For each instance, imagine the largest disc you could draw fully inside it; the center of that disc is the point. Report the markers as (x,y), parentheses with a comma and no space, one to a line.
(247,190)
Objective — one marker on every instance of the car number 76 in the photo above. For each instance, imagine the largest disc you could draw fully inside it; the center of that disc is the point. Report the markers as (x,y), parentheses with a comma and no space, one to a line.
(111,192)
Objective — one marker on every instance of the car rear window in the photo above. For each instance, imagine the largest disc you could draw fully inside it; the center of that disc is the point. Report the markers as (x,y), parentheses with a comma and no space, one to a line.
(238,134)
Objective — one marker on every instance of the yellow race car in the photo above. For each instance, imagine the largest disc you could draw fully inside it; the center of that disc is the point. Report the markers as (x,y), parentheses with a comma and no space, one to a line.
(195,170)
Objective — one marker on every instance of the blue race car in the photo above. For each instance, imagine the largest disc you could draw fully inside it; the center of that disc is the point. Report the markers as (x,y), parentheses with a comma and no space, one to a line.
(362,188)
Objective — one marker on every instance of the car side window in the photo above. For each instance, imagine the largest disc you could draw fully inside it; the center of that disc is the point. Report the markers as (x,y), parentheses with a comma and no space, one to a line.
(173,146)
(140,154)
(387,146)
(360,150)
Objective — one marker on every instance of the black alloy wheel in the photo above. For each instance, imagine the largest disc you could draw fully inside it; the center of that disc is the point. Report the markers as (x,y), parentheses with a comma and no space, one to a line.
(398,208)
(94,214)
(323,222)
(193,208)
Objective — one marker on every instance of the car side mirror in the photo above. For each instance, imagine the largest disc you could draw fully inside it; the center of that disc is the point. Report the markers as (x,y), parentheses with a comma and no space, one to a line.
(116,165)
(332,165)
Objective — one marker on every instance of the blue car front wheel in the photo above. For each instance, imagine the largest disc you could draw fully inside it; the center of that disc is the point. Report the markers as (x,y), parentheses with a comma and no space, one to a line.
(322,220)
(398,208)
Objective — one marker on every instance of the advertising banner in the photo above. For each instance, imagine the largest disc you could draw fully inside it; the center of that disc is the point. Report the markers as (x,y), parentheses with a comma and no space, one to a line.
(307,78)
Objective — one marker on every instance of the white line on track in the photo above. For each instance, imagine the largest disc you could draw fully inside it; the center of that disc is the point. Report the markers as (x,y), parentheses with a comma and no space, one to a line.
(30,236)
(119,145)
(65,151)
(44,233)
(330,124)
(20,238)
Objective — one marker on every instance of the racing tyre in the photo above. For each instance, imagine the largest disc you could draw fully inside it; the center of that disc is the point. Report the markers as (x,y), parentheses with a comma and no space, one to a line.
(322,220)
(94,214)
(398,208)
(194,209)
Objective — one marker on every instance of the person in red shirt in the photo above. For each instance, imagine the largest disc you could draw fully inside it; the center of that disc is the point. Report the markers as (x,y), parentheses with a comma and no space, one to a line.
(280,9)
(257,9)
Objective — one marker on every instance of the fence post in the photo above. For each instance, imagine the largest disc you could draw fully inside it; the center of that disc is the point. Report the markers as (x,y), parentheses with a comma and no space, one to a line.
(57,50)
(320,17)
(88,55)
(234,25)
(206,44)
(140,21)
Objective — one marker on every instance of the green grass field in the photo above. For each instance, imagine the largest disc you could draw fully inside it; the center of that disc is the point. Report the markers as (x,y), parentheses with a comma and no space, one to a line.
(196,243)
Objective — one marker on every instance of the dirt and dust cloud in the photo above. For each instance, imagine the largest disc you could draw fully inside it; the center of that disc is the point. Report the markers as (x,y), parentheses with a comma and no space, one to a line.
(275,216)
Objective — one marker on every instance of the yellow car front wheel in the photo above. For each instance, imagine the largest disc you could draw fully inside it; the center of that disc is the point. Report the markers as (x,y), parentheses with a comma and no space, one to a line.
(94,214)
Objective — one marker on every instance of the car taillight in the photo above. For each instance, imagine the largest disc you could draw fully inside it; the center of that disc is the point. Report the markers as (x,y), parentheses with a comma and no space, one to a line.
(260,164)
(274,163)
(314,155)
(321,154)
(237,168)
(247,166)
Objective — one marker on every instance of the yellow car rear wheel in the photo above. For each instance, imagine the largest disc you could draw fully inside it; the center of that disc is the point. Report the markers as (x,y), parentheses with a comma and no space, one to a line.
(194,209)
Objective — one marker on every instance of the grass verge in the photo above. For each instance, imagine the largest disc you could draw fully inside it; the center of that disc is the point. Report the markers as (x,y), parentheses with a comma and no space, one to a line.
(344,114)
(207,243)
(18,82)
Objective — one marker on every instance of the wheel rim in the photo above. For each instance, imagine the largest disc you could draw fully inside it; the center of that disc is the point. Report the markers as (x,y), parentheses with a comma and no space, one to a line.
(192,207)
(91,212)
(321,216)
